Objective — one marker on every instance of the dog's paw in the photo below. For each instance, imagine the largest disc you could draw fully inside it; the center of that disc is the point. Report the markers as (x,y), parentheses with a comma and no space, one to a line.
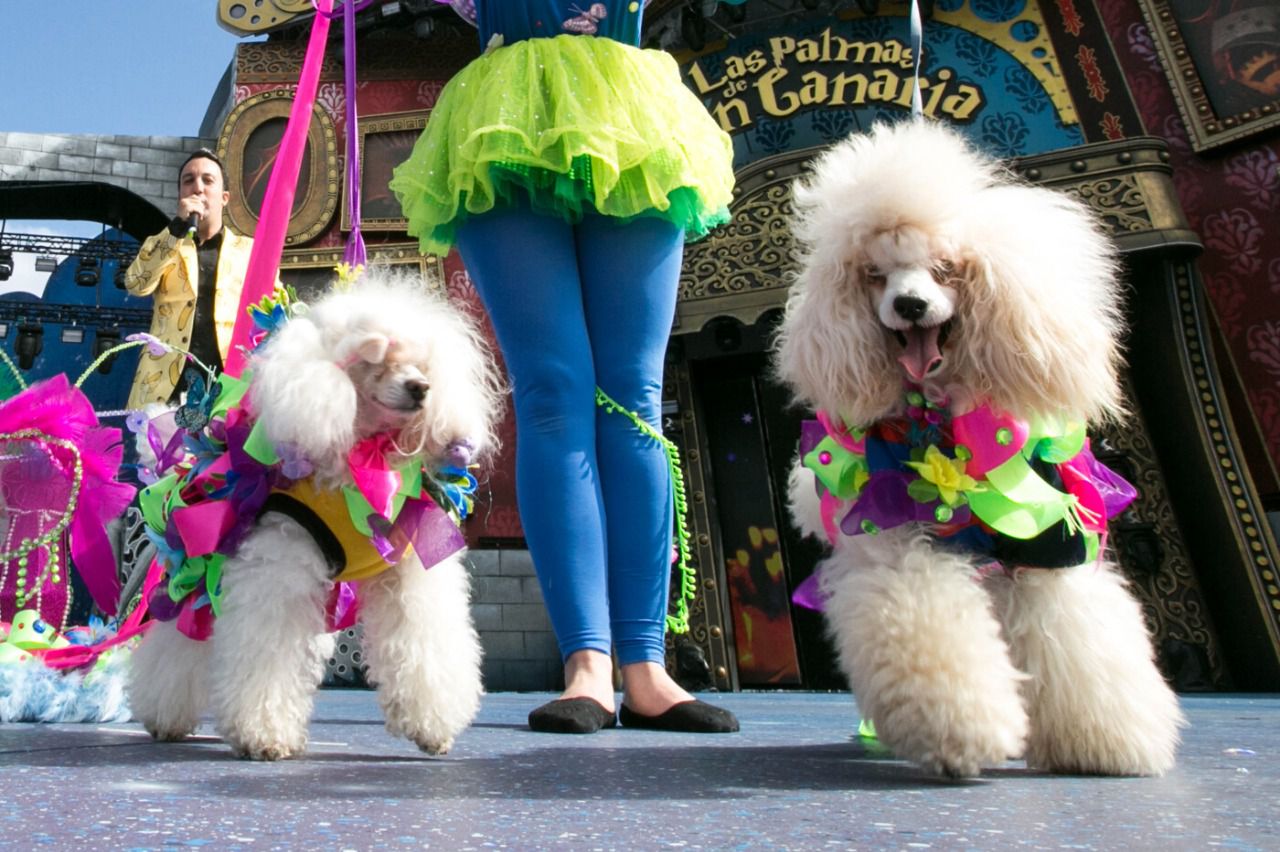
(263,748)
(434,746)
(168,735)
(954,767)
(265,751)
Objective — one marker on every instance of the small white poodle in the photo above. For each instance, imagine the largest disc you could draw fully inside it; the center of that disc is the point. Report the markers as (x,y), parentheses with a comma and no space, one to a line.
(397,371)
(956,331)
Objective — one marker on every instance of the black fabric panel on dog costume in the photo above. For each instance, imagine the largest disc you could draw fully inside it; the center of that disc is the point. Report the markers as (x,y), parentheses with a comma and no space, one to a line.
(324,538)
(1056,547)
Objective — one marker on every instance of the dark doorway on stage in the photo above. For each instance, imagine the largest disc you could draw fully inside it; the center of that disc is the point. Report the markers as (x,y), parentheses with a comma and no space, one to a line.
(750,436)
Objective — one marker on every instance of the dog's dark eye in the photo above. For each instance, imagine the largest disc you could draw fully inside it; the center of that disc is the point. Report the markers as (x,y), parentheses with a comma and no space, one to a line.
(943,271)
(873,276)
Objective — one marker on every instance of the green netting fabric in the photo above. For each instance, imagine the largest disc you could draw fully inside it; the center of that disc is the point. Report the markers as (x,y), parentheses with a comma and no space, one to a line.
(569,123)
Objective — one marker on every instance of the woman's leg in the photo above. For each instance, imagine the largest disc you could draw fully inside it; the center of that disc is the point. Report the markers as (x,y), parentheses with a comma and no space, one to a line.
(525,269)
(630,273)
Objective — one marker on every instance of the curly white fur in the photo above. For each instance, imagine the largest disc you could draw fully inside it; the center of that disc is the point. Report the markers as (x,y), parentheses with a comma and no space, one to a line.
(386,356)
(339,373)
(1035,307)
(923,260)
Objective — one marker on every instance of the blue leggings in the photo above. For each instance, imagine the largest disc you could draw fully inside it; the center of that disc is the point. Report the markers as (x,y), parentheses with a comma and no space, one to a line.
(576,306)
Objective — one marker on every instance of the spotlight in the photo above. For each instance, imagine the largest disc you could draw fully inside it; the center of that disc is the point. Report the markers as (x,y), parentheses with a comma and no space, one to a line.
(120,275)
(29,344)
(105,339)
(87,272)
(6,264)
(46,263)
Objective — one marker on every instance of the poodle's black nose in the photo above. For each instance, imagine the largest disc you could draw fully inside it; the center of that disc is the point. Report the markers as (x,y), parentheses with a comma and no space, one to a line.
(416,389)
(910,308)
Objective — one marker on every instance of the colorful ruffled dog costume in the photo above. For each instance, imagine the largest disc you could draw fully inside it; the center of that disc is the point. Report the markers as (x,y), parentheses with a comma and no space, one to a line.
(219,474)
(1026,494)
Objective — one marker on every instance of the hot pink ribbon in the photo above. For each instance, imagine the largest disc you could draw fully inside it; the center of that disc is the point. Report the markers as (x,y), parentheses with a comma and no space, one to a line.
(264,259)
(841,433)
(979,432)
(202,526)
(76,656)
(373,476)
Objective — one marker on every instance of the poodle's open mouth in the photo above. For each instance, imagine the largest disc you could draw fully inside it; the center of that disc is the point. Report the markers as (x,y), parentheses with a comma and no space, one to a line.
(922,349)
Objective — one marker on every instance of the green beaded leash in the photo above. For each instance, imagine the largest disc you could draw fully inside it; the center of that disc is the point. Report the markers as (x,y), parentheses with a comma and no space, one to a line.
(679,622)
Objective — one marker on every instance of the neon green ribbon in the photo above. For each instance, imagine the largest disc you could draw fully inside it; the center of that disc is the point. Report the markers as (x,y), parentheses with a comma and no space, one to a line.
(844,474)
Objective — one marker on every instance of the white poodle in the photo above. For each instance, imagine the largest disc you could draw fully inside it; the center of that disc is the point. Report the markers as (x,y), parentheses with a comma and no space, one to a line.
(384,360)
(941,304)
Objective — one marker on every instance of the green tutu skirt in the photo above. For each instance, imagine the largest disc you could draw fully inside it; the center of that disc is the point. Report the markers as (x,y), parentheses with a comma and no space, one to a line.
(567,124)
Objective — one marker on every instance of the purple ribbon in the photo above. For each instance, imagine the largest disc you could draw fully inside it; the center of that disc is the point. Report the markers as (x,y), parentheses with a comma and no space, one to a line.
(809,594)
(1117,492)
(811,434)
(355,254)
(250,482)
(420,524)
(884,502)
(168,451)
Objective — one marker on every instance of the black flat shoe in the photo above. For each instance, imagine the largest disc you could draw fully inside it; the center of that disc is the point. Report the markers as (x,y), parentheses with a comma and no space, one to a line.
(693,717)
(571,716)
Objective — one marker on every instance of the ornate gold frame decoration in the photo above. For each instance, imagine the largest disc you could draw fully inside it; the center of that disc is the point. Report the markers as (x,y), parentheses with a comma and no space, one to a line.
(396,122)
(1206,128)
(742,269)
(317,186)
(430,266)
(243,17)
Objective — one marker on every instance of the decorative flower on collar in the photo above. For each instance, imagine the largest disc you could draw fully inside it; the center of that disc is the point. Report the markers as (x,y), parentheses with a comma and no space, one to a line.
(940,477)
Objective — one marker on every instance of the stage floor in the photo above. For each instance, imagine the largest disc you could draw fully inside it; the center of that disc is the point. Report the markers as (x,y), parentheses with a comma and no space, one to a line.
(795,777)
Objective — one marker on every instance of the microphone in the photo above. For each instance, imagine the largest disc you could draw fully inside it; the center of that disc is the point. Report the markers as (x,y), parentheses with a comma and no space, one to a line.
(192,221)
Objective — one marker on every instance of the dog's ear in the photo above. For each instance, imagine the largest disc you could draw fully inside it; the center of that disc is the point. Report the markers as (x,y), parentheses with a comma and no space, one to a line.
(830,349)
(372,347)
(1045,320)
(465,385)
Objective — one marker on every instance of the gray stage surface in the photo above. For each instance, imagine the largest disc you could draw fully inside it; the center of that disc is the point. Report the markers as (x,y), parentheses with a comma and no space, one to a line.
(796,777)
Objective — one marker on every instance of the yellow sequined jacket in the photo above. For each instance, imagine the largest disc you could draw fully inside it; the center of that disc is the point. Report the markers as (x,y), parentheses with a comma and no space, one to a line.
(164,269)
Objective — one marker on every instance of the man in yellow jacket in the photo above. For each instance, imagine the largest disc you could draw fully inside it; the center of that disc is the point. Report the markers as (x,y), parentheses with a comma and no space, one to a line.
(194,270)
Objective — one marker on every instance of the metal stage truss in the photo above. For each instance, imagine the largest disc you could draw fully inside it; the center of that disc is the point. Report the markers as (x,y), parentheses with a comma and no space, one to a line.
(96,247)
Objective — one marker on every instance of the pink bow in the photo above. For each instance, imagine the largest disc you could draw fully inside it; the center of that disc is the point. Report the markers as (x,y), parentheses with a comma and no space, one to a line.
(373,476)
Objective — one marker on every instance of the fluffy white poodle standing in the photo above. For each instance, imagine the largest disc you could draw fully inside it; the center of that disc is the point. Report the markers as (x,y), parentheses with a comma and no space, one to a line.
(934,286)
(383,360)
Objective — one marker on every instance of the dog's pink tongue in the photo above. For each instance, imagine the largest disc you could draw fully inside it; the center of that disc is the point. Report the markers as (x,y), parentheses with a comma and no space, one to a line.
(921,354)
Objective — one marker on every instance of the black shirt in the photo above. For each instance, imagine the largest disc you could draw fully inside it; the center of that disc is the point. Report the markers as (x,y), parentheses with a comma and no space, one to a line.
(204,336)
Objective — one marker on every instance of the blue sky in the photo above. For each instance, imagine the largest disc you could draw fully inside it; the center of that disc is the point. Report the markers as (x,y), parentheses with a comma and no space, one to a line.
(140,67)
(131,67)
